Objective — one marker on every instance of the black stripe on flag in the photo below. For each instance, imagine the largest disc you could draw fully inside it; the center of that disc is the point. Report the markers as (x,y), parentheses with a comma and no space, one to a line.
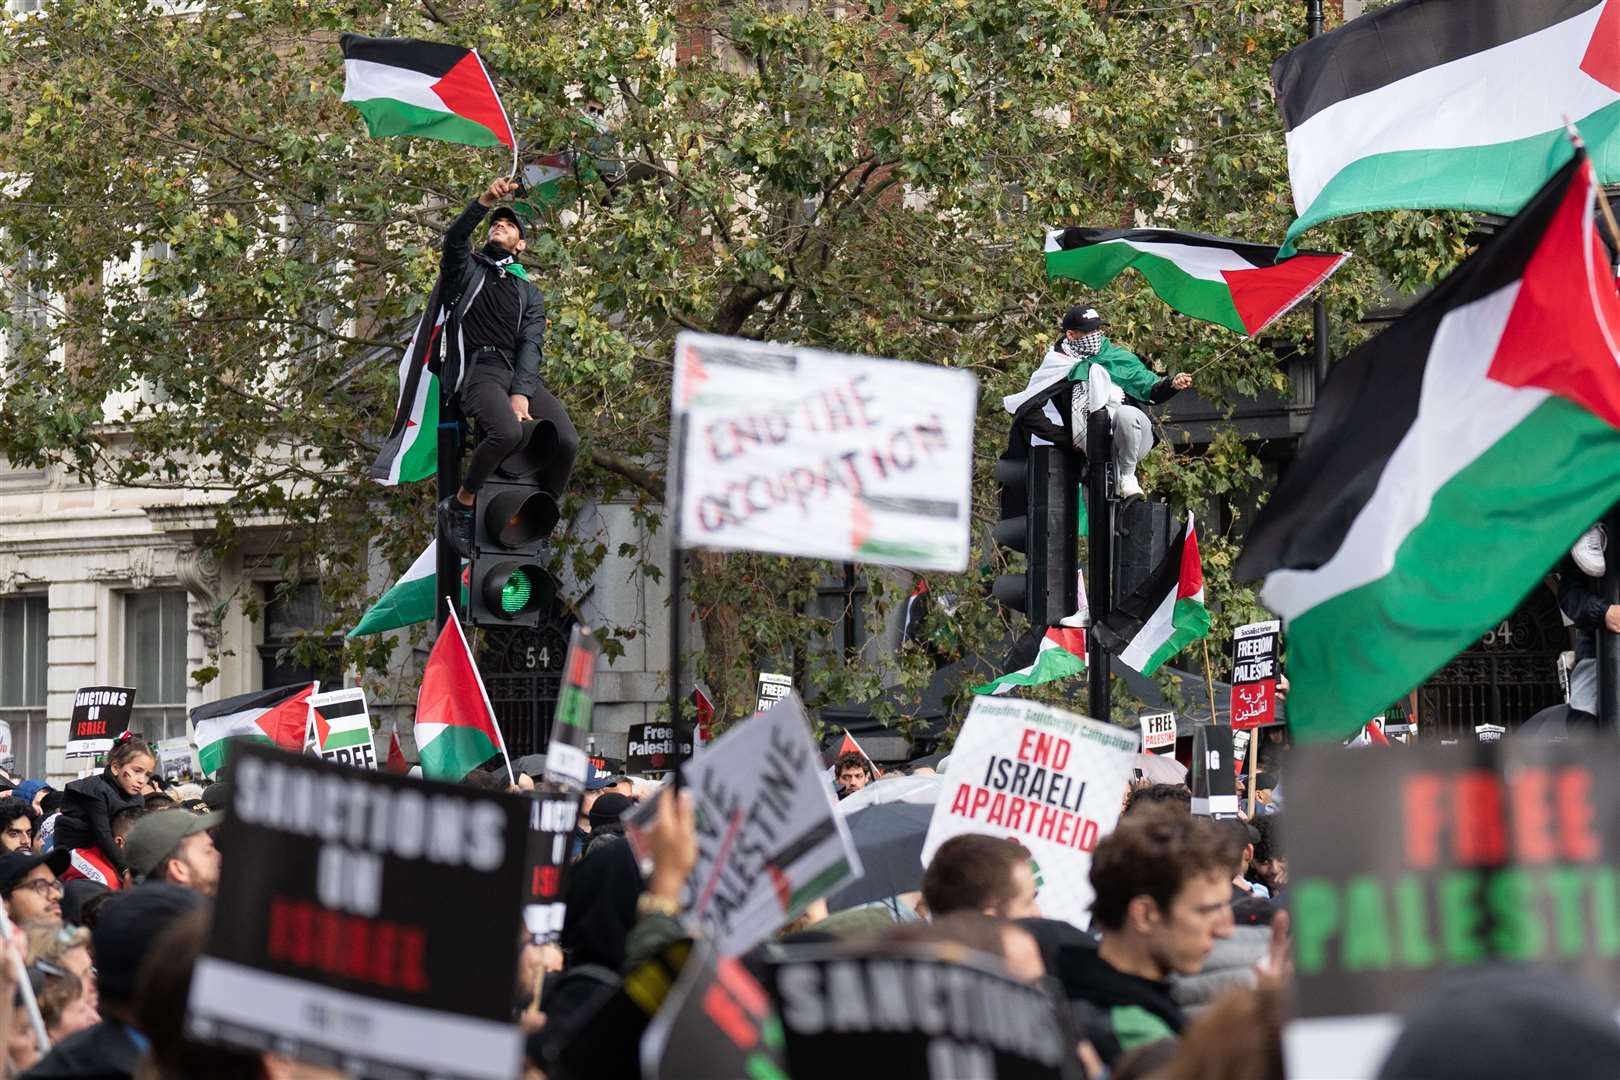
(428,57)
(1254,254)
(1024,650)
(334,710)
(1116,629)
(258,699)
(1371,400)
(1389,44)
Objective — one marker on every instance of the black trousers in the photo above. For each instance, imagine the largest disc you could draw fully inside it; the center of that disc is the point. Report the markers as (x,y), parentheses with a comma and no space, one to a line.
(487,400)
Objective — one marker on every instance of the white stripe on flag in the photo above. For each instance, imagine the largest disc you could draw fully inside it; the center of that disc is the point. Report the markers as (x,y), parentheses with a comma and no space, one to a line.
(1204,263)
(1518,89)
(364,80)
(1461,414)
(1154,633)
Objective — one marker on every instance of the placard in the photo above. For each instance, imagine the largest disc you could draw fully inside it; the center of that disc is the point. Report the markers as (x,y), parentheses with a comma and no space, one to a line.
(798,451)
(1254,674)
(1049,779)
(1158,732)
(715,1022)
(175,760)
(568,759)
(770,838)
(770,689)
(552,817)
(341,727)
(1214,772)
(365,922)
(931,1011)
(1478,854)
(100,715)
(1489,733)
(653,748)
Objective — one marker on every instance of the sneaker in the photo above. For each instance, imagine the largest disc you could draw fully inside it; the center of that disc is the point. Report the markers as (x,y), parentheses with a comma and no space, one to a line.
(1588,551)
(456,524)
(1129,488)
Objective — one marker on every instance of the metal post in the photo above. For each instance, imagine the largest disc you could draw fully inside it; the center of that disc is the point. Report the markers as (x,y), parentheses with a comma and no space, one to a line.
(1313,18)
(1099,557)
(1608,643)
(447,566)
(685,733)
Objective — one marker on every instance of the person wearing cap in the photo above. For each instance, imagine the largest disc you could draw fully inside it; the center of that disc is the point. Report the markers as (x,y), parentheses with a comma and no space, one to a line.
(595,784)
(1139,387)
(492,341)
(174,846)
(29,885)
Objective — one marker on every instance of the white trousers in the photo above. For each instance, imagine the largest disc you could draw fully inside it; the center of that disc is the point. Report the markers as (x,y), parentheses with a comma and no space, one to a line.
(1133,438)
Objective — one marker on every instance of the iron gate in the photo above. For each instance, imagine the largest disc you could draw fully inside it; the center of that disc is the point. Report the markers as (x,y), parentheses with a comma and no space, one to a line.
(1504,678)
(522,672)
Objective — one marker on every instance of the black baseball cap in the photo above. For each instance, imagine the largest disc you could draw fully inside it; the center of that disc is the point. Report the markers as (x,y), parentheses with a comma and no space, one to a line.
(17,865)
(510,215)
(1082,318)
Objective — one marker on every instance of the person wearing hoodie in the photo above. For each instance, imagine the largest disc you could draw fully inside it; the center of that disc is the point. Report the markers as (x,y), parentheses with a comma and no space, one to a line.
(1163,886)
(88,805)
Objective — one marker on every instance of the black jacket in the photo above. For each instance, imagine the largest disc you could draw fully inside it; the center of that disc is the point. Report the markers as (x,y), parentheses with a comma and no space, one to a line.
(1580,599)
(103,1052)
(1133,1011)
(88,807)
(462,273)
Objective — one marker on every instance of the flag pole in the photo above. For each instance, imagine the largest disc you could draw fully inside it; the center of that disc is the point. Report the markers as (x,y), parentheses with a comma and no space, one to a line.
(677,566)
(1209,679)
(1254,764)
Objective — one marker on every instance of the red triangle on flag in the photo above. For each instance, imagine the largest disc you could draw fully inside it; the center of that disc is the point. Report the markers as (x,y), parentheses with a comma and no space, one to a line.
(467,91)
(396,763)
(452,698)
(286,722)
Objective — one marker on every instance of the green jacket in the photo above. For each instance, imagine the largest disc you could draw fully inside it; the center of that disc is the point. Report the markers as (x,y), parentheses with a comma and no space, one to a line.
(1125,367)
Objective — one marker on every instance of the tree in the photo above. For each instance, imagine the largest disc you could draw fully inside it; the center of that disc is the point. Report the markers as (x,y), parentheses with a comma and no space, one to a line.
(871,178)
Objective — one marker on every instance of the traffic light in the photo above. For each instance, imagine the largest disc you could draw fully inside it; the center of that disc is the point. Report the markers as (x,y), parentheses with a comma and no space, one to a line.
(1038,518)
(512,519)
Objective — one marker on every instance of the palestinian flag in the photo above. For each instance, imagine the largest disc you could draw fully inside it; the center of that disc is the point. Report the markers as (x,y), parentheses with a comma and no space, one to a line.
(395,762)
(455,724)
(403,86)
(1056,652)
(411,451)
(1448,103)
(1451,461)
(1165,613)
(848,745)
(410,600)
(1240,286)
(279,716)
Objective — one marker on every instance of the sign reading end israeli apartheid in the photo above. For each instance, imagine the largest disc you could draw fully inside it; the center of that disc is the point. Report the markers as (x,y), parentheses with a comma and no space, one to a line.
(918,1009)
(1254,674)
(342,727)
(100,715)
(1051,780)
(365,922)
(770,838)
(797,451)
(1451,858)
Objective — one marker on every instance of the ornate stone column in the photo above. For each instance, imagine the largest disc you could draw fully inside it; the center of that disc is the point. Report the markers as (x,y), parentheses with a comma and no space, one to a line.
(199,574)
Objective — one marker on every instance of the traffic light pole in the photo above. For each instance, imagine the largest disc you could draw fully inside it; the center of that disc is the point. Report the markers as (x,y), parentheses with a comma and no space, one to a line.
(1608,643)
(1099,558)
(447,565)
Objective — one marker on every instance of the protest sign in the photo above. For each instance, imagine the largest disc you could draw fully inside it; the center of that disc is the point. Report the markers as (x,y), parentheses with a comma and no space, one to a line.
(567,758)
(770,689)
(1158,732)
(552,817)
(1488,733)
(1051,780)
(100,715)
(770,839)
(8,755)
(1254,674)
(175,760)
(716,1021)
(341,727)
(797,451)
(1214,772)
(1473,855)
(352,905)
(925,1010)
(651,748)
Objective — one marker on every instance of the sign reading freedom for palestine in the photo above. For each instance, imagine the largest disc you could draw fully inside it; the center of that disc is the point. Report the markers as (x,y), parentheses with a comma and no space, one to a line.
(829,456)
(348,917)
(1460,856)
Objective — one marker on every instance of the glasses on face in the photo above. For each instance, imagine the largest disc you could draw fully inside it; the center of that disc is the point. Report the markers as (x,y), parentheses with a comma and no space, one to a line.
(42,888)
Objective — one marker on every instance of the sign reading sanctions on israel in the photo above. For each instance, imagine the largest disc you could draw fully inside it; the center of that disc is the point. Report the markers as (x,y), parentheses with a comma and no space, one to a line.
(802,452)
(349,917)
(1475,854)
(1051,780)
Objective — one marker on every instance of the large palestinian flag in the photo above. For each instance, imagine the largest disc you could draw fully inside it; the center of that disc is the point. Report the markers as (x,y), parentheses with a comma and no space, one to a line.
(279,716)
(410,600)
(411,451)
(1450,462)
(1448,103)
(1228,282)
(456,729)
(403,86)
(1165,614)
(1040,656)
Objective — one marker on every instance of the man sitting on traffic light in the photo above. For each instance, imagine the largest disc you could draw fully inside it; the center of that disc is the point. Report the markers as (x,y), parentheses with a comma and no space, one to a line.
(492,342)
(1133,433)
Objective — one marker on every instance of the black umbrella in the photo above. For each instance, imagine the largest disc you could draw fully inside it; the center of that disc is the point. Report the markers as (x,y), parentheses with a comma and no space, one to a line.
(889,837)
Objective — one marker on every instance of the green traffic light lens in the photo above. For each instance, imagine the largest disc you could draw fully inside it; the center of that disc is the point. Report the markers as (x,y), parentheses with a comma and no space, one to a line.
(516,593)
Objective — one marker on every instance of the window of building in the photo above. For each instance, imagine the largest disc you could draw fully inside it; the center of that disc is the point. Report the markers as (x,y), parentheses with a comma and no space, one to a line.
(155,661)
(23,638)
(290,616)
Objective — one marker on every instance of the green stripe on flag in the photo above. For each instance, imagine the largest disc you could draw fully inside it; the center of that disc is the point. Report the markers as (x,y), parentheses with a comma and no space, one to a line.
(1191,621)
(1098,264)
(388,116)
(420,458)
(212,758)
(455,752)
